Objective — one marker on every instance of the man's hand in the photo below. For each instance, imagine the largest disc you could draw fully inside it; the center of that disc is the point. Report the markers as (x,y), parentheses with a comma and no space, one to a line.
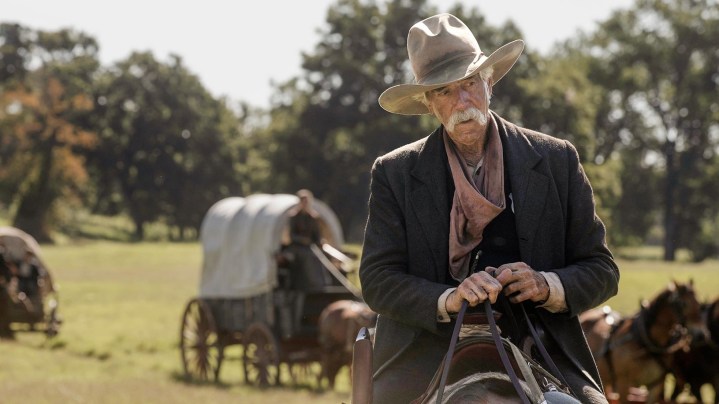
(520,282)
(475,289)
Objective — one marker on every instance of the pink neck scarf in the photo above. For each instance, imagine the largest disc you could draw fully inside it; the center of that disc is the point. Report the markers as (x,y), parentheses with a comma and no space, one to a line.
(476,202)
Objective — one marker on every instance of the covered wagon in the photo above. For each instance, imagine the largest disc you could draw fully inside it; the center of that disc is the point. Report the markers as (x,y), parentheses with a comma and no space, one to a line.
(28,298)
(254,288)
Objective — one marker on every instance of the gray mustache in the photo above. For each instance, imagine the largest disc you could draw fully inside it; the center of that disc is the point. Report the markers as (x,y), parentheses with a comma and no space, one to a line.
(466,115)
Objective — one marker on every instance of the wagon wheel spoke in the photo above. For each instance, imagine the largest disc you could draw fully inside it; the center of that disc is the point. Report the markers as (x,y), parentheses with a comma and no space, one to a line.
(200,347)
(261,360)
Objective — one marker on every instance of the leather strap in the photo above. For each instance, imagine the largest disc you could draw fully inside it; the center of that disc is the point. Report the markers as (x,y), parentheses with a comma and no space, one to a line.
(543,351)
(455,336)
(450,351)
(362,368)
(503,354)
(498,344)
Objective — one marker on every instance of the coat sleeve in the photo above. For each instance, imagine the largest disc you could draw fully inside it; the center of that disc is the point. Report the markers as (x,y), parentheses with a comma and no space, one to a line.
(591,276)
(391,267)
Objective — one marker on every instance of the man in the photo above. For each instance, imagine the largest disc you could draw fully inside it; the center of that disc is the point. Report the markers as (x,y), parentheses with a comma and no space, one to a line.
(479,188)
(308,274)
(29,275)
(304,220)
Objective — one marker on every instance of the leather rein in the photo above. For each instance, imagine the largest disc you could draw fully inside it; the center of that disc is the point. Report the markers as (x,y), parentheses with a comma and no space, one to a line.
(500,349)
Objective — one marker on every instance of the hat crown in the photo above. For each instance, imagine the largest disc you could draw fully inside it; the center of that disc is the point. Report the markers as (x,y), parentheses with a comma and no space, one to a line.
(441,48)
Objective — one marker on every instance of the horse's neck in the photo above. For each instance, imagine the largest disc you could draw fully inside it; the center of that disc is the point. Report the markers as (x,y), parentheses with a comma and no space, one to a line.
(712,321)
(661,326)
(654,325)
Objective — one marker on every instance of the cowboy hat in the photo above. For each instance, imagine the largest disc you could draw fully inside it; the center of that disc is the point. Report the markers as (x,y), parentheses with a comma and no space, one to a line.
(442,50)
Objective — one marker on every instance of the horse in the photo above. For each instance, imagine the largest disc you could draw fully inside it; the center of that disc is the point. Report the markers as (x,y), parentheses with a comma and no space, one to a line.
(482,388)
(639,350)
(700,365)
(339,323)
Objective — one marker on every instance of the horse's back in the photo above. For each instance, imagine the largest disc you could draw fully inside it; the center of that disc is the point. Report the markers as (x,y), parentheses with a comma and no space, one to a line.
(597,325)
(339,324)
(341,320)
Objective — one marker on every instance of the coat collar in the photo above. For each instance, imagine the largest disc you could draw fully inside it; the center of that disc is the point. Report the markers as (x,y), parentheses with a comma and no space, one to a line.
(431,201)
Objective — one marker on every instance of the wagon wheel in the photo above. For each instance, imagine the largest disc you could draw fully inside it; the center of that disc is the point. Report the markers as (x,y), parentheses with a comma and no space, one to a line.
(261,357)
(200,345)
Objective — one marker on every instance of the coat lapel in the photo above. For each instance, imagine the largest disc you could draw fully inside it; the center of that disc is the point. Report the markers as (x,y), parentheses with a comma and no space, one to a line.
(430,201)
(529,187)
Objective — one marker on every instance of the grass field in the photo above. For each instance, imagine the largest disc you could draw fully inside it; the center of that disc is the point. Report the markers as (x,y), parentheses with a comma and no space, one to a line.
(122,303)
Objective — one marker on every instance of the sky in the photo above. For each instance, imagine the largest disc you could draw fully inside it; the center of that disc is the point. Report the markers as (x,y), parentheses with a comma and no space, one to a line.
(238,48)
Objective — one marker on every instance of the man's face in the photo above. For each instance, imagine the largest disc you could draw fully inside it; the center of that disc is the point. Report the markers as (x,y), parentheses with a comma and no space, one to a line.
(304,202)
(462,107)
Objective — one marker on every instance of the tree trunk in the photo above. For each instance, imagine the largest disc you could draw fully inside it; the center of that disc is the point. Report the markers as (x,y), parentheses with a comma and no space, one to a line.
(670,220)
(139,230)
(34,208)
(31,216)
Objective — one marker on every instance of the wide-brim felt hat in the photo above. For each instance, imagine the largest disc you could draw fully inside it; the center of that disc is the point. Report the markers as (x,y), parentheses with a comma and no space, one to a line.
(442,50)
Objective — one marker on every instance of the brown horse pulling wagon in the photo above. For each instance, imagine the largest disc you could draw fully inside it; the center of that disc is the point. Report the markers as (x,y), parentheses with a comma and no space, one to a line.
(261,291)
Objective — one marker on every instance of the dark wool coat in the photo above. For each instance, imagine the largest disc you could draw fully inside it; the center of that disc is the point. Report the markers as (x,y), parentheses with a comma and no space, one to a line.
(404,267)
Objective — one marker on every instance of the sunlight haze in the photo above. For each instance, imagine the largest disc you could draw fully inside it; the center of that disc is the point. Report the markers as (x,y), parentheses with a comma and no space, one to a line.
(239,48)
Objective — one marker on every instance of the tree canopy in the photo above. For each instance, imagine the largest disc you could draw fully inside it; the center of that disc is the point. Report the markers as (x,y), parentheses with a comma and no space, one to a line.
(43,114)
(659,70)
(143,137)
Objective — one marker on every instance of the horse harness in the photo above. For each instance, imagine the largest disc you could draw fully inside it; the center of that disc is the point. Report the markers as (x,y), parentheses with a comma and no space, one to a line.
(713,333)
(639,331)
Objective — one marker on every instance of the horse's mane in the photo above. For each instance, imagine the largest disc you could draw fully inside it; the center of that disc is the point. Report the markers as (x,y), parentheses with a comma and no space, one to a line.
(668,295)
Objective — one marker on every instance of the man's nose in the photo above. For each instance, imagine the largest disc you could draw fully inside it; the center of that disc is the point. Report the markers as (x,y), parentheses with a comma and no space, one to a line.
(463,97)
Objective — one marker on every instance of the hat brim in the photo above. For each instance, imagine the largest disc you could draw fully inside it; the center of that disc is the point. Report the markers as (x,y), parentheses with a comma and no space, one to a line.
(402,98)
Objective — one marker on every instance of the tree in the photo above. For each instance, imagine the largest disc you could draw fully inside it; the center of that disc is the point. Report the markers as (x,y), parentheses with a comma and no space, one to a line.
(14,48)
(331,112)
(41,117)
(659,64)
(167,148)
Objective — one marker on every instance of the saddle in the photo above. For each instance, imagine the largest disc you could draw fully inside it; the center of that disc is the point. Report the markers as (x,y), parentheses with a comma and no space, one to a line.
(362,368)
(479,352)
(478,355)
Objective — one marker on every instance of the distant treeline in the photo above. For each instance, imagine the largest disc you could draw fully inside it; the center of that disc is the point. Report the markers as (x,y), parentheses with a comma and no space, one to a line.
(145,139)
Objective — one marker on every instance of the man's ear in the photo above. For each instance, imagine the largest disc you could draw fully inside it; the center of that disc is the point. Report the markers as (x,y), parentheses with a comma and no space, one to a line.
(490,86)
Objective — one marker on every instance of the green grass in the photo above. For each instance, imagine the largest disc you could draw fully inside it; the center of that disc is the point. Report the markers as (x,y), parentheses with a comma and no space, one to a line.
(643,279)
(122,303)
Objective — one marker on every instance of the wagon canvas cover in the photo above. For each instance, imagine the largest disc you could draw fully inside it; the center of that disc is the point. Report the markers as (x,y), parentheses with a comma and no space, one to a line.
(16,242)
(240,237)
